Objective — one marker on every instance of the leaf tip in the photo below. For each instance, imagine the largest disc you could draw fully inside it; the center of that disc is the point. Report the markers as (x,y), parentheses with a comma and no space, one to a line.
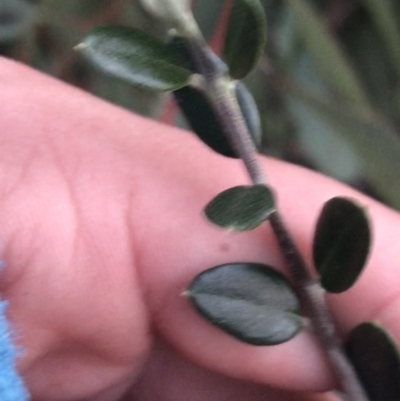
(80,47)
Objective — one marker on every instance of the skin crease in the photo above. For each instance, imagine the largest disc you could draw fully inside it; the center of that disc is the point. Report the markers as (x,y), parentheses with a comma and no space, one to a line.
(101,230)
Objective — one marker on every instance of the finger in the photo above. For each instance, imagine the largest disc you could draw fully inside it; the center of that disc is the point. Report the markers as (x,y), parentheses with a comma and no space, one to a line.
(69,274)
(169,376)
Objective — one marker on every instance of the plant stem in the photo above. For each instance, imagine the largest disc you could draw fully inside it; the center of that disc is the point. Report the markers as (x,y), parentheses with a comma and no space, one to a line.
(312,298)
(220,91)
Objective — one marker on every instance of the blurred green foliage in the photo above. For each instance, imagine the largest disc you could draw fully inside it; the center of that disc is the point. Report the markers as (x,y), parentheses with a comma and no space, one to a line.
(328,88)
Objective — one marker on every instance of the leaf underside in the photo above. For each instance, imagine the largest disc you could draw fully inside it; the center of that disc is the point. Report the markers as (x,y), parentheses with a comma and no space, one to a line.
(376,360)
(252,302)
(245,37)
(241,208)
(341,244)
(134,57)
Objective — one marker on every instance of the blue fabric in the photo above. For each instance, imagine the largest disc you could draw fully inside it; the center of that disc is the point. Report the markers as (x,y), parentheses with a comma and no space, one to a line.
(11,385)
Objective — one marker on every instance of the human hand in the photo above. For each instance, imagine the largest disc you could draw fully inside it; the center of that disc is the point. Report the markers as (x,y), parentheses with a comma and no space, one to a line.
(101,230)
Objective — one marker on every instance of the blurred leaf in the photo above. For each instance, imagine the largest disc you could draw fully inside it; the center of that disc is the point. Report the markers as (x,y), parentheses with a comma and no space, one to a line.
(241,208)
(134,57)
(250,301)
(77,8)
(383,14)
(374,139)
(141,101)
(181,47)
(376,360)
(207,14)
(330,60)
(372,61)
(245,37)
(165,9)
(341,244)
(17,18)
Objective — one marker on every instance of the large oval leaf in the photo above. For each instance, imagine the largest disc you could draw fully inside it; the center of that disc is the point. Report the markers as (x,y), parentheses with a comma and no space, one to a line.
(245,37)
(241,208)
(250,301)
(341,244)
(134,57)
(376,360)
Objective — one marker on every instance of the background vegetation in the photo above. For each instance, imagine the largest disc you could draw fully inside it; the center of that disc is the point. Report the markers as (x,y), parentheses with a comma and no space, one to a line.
(328,89)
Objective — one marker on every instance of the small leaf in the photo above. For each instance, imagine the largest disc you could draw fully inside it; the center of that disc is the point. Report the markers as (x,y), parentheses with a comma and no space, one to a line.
(341,244)
(241,208)
(245,37)
(134,57)
(376,360)
(250,301)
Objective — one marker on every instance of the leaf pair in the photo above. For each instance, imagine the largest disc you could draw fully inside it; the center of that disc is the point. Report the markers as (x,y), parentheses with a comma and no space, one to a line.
(135,57)
(244,299)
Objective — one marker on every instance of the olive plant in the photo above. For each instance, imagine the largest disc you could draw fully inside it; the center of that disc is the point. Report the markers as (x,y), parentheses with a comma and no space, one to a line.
(251,301)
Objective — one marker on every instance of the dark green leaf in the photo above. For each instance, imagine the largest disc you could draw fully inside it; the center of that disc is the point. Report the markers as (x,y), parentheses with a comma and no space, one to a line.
(179,45)
(341,244)
(202,119)
(134,57)
(241,208)
(250,301)
(204,122)
(376,360)
(245,37)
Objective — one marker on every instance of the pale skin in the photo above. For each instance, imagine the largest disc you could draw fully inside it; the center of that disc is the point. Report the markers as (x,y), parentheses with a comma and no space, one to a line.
(101,230)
